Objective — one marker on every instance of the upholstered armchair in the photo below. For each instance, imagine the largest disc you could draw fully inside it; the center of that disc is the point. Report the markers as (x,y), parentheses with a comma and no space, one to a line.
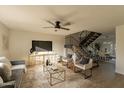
(84,68)
(67,59)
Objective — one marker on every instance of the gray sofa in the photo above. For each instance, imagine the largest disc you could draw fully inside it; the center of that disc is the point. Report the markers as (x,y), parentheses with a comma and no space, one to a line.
(12,76)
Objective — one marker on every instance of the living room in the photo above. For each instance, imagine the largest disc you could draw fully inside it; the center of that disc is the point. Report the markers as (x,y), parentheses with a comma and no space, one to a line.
(53,24)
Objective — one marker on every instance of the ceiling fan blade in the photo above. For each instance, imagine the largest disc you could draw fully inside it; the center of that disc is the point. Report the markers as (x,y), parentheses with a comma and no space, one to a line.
(67,24)
(47,27)
(64,28)
(50,22)
(65,16)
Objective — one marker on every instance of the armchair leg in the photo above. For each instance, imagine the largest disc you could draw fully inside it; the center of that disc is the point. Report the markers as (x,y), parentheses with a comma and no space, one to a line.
(91,71)
(67,65)
(85,74)
(74,68)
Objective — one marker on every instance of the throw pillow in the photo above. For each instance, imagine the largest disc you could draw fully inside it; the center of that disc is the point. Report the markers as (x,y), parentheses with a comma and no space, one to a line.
(84,61)
(1,80)
(69,56)
(5,72)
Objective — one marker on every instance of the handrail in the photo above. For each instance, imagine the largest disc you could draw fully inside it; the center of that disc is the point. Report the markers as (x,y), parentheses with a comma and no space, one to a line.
(84,33)
(81,33)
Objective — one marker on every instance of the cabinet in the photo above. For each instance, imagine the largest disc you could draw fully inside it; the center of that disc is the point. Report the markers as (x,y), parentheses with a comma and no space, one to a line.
(35,59)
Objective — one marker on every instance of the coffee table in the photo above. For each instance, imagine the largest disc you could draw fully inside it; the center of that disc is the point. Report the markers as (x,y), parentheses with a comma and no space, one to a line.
(55,75)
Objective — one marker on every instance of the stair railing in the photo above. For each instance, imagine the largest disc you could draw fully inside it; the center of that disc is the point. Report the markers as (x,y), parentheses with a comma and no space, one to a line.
(83,34)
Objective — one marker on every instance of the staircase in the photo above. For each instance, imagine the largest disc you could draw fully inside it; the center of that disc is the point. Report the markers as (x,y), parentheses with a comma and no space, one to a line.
(84,41)
(91,37)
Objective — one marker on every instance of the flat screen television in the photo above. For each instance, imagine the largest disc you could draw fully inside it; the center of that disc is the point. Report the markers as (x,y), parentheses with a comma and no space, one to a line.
(41,45)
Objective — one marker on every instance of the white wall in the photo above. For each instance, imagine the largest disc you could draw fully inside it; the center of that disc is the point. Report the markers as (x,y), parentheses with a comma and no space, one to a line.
(4,41)
(21,42)
(120,49)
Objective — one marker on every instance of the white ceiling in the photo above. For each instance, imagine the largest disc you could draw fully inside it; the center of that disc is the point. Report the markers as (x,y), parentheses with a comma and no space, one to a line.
(32,18)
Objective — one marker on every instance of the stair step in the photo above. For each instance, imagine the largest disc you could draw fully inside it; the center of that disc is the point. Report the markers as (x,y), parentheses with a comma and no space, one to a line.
(91,37)
(96,34)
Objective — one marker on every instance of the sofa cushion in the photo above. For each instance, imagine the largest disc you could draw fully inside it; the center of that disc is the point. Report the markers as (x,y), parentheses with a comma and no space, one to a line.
(5,72)
(10,84)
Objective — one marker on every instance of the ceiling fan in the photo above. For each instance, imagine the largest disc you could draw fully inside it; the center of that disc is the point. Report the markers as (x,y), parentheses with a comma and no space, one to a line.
(58,25)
